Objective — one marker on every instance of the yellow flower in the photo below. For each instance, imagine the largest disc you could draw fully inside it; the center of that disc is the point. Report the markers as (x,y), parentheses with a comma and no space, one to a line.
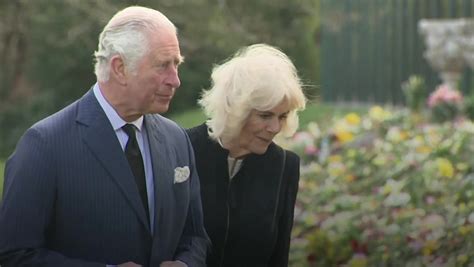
(336,169)
(423,149)
(462,258)
(358,261)
(352,119)
(344,136)
(419,139)
(396,135)
(462,166)
(429,247)
(351,153)
(378,113)
(379,161)
(335,158)
(392,186)
(462,207)
(349,177)
(445,167)
(464,230)
(404,135)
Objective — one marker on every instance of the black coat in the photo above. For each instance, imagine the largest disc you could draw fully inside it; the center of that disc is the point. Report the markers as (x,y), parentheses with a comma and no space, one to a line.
(249,218)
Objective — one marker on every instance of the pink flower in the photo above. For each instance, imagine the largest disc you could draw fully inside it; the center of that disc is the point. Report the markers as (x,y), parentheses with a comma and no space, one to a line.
(430,200)
(444,94)
(310,150)
(303,138)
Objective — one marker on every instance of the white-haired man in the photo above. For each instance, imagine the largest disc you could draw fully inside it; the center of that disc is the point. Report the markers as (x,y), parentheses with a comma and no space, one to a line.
(106,181)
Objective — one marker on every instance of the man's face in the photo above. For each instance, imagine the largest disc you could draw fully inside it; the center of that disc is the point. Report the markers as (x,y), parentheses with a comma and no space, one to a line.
(152,87)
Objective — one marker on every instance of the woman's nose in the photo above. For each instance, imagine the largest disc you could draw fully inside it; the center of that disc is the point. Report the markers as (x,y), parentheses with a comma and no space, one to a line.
(274,125)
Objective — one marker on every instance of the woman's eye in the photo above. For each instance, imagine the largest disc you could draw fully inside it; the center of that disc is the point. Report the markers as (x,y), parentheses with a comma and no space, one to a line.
(284,117)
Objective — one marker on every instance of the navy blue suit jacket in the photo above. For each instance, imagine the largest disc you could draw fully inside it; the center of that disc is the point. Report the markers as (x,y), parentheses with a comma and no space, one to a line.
(70,198)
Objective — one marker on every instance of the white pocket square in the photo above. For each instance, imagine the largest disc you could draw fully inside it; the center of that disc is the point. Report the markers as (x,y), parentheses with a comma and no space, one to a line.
(181,174)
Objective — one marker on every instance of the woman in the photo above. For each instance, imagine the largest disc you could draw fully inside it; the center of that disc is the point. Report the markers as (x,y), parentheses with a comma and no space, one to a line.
(248,183)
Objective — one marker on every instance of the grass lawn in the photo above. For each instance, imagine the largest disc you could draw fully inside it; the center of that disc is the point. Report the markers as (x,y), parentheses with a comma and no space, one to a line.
(189,118)
(321,113)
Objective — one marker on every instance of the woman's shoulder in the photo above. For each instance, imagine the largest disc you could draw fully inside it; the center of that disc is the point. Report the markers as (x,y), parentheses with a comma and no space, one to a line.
(199,129)
(198,132)
(290,157)
(291,161)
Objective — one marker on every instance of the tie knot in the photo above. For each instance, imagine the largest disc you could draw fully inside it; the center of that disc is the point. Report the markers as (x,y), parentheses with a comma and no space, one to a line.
(129,129)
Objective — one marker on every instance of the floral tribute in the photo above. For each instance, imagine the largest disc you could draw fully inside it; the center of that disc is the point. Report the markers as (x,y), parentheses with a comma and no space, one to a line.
(445,103)
(384,189)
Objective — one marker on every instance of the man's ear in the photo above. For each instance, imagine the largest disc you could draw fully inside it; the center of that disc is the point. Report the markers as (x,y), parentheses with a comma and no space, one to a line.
(117,69)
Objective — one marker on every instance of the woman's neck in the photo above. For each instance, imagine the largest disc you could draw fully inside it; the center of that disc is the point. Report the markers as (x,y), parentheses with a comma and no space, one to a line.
(235,151)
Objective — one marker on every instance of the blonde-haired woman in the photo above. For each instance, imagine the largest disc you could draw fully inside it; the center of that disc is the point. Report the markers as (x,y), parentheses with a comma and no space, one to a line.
(248,183)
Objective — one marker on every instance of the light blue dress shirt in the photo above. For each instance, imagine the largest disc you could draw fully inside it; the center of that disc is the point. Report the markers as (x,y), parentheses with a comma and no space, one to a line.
(142,138)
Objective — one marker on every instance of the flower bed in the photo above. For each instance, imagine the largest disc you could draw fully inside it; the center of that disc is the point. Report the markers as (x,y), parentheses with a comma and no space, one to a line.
(385,189)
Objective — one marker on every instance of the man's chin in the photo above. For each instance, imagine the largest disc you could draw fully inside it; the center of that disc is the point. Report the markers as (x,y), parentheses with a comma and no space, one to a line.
(160,109)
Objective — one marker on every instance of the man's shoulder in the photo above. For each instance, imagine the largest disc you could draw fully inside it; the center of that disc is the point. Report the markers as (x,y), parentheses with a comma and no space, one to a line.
(57,120)
(166,128)
(164,123)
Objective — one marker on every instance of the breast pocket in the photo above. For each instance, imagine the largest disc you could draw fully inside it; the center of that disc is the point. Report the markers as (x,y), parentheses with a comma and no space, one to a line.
(181,187)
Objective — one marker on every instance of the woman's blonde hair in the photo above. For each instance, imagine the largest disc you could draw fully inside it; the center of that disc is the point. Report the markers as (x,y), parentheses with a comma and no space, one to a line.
(257,77)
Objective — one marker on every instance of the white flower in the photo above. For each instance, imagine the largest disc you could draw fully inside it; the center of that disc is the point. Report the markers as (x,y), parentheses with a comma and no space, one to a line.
(397,199)
(470,219)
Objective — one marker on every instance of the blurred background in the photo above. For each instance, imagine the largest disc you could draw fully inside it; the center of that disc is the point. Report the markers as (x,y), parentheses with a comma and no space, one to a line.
(47,46)
(346,51)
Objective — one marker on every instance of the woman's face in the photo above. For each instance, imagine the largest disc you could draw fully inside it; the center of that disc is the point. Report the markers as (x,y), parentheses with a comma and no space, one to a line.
(260,129)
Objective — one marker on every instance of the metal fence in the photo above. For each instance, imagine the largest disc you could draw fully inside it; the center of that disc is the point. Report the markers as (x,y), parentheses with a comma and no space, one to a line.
(369,47)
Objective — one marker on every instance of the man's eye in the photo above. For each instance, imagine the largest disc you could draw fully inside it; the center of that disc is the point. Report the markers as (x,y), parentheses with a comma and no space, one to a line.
(265,116)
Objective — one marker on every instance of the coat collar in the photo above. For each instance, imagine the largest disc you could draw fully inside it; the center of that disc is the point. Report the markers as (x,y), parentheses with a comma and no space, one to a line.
(99,136)
(160,152)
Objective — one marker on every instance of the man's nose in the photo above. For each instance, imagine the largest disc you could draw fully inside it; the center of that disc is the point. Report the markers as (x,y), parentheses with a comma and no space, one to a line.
(173,78)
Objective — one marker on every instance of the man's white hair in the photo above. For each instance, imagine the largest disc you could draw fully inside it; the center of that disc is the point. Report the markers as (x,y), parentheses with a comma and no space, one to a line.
(127,35)
(257,77)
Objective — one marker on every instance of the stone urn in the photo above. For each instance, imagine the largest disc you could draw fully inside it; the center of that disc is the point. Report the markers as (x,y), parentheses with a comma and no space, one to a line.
(449,46)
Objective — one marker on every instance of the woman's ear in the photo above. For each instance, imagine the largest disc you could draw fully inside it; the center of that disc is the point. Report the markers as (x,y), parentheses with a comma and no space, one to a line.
(117,69)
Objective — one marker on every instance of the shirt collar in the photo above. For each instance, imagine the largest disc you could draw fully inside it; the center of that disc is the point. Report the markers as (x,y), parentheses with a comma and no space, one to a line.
(116,121)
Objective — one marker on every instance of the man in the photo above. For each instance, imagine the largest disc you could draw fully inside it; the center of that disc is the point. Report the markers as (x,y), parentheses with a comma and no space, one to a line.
(105,181)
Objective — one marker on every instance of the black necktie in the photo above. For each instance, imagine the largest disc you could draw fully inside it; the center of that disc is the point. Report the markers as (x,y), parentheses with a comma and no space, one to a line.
(134,157)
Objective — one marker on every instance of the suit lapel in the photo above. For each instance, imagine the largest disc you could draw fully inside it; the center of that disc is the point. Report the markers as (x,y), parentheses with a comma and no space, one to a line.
(101,139)
(162,167)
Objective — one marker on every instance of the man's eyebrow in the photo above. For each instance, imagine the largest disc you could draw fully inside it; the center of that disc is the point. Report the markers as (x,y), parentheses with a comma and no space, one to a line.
(180,59)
